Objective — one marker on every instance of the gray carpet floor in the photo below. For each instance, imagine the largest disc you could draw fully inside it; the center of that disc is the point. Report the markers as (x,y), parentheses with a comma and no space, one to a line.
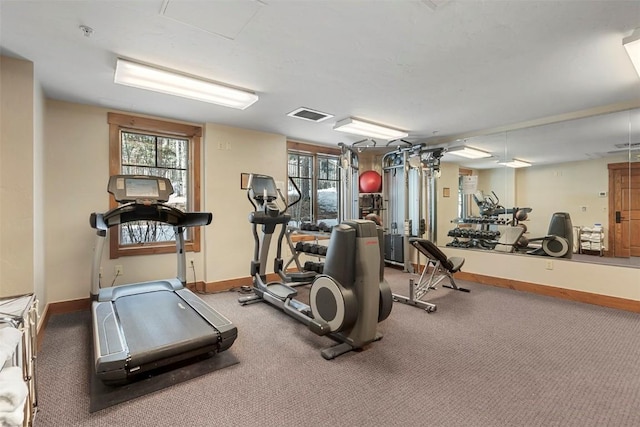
(493,357)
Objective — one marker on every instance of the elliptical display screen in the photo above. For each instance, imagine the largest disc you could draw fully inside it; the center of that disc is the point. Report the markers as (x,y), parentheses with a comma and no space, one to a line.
(263,186)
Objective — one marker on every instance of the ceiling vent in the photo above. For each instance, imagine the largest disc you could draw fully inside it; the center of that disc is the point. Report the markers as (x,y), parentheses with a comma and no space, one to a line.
(309,114)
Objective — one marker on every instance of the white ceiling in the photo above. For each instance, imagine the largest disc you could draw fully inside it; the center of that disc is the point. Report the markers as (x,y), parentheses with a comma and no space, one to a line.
(438,69)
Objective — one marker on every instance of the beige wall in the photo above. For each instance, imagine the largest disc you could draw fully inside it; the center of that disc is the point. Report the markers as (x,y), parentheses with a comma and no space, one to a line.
(566,187)
(53,179)
(228,152)
(76,175)
(39,211)
(447,206)
(16,177)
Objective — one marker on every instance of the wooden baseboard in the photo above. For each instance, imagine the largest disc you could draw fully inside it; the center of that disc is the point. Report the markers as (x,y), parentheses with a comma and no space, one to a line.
(60,307)
(552,291)
(226,285)
(42,323)
(198,286)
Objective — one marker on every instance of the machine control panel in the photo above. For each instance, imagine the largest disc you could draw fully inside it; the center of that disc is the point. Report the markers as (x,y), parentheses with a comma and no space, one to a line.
(140,188)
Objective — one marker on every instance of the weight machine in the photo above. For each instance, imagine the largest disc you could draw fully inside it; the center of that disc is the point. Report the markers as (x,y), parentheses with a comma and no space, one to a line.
(408,180)
(348,184)
(402,190)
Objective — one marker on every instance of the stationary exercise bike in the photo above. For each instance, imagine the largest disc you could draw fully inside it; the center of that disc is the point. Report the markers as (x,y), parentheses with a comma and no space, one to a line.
(348,300)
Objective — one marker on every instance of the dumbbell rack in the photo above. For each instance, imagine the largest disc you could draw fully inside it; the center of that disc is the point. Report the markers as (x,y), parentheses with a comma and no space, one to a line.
(479,236)
(305,242)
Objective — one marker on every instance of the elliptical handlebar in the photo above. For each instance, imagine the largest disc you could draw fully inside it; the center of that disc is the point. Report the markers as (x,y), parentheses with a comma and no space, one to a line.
(297,191)
(269,195)
(255,208)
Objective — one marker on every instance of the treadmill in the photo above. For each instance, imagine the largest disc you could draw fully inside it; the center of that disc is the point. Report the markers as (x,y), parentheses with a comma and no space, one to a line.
(143,326)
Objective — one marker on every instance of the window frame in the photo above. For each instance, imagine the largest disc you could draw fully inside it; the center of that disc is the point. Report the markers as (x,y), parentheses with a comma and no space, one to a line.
(316,151)
(124,122)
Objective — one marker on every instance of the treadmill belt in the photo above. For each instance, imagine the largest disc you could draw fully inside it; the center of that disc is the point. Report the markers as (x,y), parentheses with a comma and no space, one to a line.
(159,325)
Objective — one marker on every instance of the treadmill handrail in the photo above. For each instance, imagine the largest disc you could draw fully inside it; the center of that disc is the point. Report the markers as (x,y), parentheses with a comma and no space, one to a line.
(159,212)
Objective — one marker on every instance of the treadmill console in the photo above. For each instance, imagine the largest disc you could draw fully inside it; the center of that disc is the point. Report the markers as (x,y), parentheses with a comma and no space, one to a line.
(140,188)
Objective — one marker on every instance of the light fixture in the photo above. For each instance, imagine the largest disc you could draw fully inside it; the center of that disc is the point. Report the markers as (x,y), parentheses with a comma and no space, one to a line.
(632,45)
(468,152)
(360,127)
(515,163)
(173,83)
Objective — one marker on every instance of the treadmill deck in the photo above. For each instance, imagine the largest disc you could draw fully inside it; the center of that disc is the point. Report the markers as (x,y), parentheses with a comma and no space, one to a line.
(152,324)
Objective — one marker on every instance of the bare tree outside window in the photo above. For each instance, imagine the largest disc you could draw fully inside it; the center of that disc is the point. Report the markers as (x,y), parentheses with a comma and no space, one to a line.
(328,189)
(318,178)
(300,169)
(147,154)
(148,146)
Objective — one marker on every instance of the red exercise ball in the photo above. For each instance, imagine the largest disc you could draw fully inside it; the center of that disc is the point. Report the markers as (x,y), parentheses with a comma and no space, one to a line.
(370,182)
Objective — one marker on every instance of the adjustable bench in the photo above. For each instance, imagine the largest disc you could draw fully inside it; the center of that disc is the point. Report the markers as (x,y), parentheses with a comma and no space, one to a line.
(437,268)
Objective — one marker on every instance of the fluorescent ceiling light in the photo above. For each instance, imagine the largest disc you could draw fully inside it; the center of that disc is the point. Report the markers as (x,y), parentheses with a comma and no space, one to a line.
(146,77)
(360,127)
(468,152)
(515,164)
(632,45)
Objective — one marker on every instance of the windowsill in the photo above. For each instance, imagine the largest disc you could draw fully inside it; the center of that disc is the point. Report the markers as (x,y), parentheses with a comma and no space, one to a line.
(151,249)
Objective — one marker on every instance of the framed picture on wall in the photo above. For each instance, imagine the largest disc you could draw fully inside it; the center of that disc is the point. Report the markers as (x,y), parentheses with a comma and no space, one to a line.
(244,180)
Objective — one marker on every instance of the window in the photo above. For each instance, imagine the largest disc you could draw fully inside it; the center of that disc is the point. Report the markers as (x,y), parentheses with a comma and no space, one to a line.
(144,146)
(464,200)
(316,172)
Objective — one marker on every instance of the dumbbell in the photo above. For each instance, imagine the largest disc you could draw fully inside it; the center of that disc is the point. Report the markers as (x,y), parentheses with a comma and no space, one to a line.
(299,246)
(313,266)
(322,250)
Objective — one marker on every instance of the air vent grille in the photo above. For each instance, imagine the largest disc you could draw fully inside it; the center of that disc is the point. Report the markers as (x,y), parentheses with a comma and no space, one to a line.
(309,114)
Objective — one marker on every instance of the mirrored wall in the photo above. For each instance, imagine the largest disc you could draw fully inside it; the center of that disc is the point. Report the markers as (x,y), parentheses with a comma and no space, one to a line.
(588,168)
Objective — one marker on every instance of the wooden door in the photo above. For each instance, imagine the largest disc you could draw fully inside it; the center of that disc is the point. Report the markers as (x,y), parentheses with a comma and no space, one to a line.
(624,209)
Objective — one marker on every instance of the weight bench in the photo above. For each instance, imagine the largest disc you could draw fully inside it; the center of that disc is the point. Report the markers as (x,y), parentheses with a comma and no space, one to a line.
(438,268)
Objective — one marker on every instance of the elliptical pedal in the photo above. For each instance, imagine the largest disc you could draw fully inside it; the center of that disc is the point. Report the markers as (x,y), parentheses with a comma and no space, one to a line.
(281,291)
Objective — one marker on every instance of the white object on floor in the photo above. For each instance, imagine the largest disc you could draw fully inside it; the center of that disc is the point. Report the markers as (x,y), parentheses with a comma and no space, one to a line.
(9,340)
(14,418)
(13,389)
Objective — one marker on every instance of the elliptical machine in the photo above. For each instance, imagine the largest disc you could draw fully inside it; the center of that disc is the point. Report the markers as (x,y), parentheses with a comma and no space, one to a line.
(348,300)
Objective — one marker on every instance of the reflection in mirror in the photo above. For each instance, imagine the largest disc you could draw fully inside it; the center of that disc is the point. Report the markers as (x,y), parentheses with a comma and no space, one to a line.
(629,188)
(588,168)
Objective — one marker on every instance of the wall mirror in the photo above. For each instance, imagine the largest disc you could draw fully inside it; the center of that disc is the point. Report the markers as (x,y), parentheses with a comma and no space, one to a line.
(587,167)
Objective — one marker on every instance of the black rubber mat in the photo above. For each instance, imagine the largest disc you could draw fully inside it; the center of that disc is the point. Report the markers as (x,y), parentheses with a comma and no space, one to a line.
(104,396)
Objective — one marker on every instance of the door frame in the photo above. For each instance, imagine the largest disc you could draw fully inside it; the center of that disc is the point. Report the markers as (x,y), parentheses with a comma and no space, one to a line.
(613,168)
